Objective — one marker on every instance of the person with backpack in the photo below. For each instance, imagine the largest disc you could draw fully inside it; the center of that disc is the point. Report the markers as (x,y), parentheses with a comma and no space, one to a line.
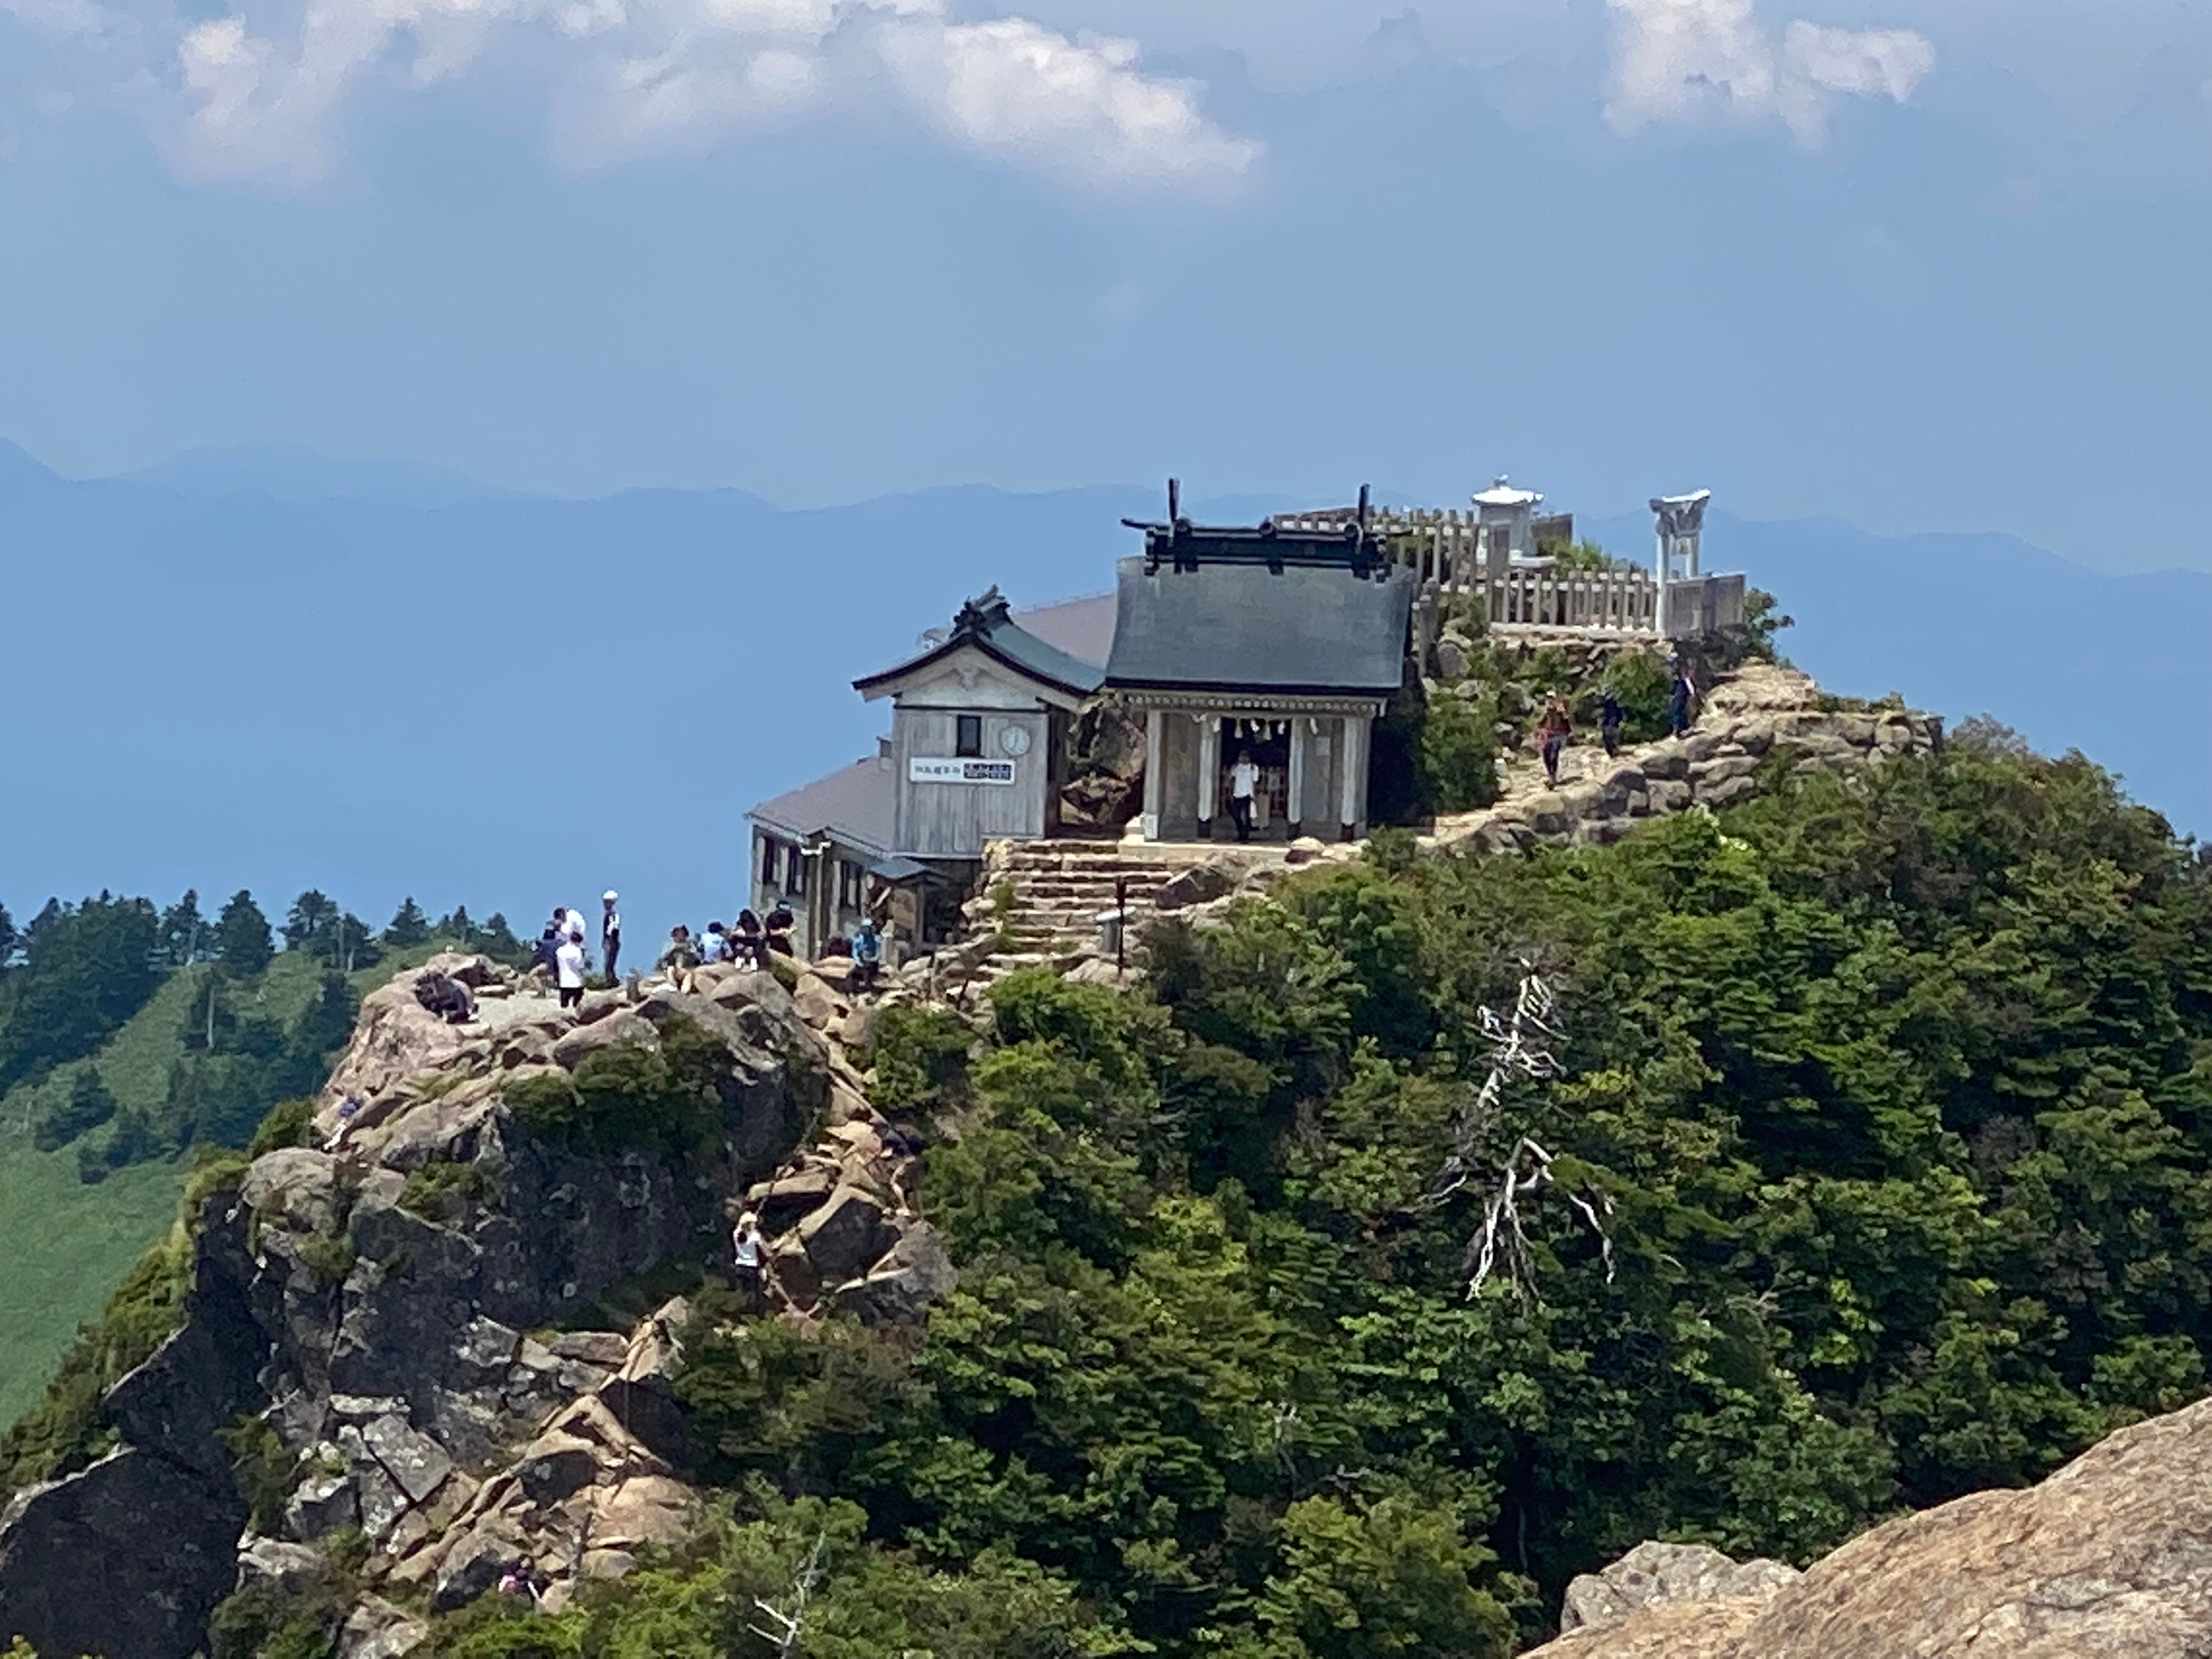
(867,956)
(1608,723)
(748,944)
(1681,699)
(1551,735)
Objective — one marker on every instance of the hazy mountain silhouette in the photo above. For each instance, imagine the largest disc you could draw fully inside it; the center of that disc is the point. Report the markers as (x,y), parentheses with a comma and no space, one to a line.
(506,701)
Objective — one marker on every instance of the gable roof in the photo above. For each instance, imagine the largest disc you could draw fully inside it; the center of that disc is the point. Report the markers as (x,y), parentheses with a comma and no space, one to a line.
(1241,625)
(986,624)
(855,802)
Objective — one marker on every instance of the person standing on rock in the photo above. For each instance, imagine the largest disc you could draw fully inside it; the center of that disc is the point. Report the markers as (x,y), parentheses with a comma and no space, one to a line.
(609,932)
(748,1250)
(1681,699)
(1244,779)
(1551,735)
(867,956)
(1608,723)
(568,968)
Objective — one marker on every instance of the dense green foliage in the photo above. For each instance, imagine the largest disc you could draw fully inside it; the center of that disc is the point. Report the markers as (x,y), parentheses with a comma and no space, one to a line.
(664,1097)
(1897,1096)
(85,970)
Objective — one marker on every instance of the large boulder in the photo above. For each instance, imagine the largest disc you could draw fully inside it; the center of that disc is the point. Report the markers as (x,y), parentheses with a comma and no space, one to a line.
(2109,1559)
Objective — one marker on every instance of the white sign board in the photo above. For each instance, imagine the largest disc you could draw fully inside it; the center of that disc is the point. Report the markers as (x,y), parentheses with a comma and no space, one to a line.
(920,769)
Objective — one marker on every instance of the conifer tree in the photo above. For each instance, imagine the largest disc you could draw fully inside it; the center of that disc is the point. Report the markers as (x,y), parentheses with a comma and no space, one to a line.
(185,937)
(408,926)
(243,944)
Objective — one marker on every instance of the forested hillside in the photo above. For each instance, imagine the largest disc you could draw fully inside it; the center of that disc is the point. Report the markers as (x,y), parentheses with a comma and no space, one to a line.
(1859,1153)
(131,1032)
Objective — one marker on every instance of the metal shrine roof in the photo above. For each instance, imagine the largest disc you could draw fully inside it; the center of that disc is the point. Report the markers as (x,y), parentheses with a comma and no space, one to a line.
(1240,624)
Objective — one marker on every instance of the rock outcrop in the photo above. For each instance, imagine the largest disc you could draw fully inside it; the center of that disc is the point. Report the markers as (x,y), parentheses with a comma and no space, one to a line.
(410,1304)
(2111,1557)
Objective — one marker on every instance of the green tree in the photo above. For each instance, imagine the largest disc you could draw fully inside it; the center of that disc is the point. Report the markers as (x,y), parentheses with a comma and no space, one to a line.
(8,939)
(311,920)
(1458,752)
(243,944)
(408,926)
(1390,1580)
(185,937)
(85,969)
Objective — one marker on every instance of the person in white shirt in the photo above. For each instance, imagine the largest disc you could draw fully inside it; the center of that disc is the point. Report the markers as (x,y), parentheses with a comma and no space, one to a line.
(1244,779)
(568,968)
(747,1254)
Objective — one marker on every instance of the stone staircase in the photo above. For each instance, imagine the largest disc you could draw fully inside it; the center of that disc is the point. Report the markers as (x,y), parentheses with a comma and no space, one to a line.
(1038,903)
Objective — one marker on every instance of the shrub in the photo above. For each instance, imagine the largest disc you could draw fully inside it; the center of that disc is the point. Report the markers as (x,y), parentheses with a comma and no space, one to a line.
(288,1123)
(919,1054)
(1639,682)
(86,1106)
(663,1097)
(443,1192)
(1458,753)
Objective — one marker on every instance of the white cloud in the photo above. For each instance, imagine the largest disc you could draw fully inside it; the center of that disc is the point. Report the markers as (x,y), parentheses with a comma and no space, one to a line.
(1678,60)
(264,92)
(1015,89)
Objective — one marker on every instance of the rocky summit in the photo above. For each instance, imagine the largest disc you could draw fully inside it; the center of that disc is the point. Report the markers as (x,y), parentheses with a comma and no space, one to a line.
(2109,1556)
(406,1311)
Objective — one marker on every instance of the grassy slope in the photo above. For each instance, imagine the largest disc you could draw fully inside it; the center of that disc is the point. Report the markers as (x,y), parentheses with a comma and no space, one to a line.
(64,1245)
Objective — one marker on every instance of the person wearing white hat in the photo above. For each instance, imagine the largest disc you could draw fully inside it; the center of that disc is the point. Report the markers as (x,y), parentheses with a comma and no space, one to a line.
(609,932)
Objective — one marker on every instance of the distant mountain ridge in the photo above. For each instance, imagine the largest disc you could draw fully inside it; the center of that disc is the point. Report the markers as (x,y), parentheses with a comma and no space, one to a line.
(441,688)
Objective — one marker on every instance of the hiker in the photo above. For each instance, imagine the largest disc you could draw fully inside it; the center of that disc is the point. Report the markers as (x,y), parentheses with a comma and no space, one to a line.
(446,997)
(747,1252)
(572,921)
(715,947)
(609,932)
(548,943)
(1679,702)
(1608,723)
(1244,779)
(336,1139)
(748,944)
(568,968)
(1551,735)
(681,953)
(779,925)
(867,956)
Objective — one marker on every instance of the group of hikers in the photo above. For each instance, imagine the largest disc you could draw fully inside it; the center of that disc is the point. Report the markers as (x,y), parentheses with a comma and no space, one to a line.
(561,953)
(1557,723)
(749,944)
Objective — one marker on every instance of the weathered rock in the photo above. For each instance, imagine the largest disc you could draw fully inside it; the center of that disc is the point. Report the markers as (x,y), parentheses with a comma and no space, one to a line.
(2109,1559)
(417,1463)
(470,1568)
(1197,886)
(782,1201)
(321,1504)
(271,1564)
(1652,1573)
(378,1629)
(555,1465)
(843,1238)
(914,1273)
(621,1025)
(645,1508)
(1452,661)
(127,1558)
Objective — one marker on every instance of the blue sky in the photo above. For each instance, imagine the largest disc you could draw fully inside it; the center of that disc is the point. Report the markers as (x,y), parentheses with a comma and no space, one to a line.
(1923,264)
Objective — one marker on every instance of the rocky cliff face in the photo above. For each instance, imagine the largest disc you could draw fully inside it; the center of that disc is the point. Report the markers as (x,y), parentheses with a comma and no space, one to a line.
(401,1315)
(2111,1556)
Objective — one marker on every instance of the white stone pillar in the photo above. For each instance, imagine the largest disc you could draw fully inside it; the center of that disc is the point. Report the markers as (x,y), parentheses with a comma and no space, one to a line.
(1352,799)
(1155,782)
(1209,771)
(1301,735)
